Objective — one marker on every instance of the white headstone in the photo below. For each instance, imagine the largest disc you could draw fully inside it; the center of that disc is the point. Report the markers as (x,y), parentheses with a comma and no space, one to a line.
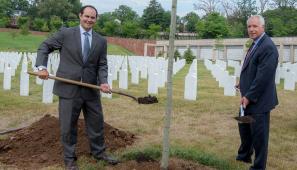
(229,89)
(190,92)
(7,77)
(1,64)
(47,95)
(289,83)
(153,83)
(24,78)
(106,95)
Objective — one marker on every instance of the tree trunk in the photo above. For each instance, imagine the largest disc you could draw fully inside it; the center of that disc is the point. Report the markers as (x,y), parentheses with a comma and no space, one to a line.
(167,120)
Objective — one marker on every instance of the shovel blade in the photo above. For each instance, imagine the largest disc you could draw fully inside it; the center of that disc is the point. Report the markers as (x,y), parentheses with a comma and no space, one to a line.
(245,119)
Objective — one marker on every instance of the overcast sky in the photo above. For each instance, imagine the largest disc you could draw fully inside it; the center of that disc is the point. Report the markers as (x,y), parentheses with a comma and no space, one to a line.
(183,6)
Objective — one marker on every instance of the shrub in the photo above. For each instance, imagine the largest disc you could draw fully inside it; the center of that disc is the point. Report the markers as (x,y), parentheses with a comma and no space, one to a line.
(55,23)
(38,23)
(177,55)
(25,29)
(72,23)
(188,55)
(4,22)
(45,27)
(23,21)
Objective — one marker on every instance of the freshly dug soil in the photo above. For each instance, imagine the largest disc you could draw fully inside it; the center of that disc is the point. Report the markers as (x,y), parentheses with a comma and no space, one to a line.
(39,145)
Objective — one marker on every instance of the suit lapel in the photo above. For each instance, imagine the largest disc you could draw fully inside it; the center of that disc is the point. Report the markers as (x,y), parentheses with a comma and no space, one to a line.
(93,45)
(78,43)
(250,56)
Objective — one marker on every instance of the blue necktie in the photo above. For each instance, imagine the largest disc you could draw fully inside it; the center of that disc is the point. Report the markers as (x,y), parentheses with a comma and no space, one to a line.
(86,49)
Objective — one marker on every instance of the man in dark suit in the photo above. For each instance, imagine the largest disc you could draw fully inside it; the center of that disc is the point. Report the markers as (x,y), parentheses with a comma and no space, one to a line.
(82,58)
(258,94)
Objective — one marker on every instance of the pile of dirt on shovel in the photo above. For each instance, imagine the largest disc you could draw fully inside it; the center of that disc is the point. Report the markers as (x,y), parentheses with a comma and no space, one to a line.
(39,145)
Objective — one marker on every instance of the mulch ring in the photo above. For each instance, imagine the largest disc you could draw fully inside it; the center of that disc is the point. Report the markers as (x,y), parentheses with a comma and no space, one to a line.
(39,145)
(174,164)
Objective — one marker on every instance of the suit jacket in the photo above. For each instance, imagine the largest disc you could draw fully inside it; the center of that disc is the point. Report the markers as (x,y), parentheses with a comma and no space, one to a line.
(93,71)
(257,78)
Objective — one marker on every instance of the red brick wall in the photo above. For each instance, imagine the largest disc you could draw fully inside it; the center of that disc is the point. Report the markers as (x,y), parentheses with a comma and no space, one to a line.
(134,45)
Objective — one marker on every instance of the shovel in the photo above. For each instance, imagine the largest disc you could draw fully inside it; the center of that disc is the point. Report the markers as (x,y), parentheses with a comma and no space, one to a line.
(141,100)
(242,118)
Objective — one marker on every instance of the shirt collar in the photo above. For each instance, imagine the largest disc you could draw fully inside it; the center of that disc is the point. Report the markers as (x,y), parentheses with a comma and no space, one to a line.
(259,38)
(82,30)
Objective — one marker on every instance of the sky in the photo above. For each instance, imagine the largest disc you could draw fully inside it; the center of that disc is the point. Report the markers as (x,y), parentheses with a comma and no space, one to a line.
(183,6)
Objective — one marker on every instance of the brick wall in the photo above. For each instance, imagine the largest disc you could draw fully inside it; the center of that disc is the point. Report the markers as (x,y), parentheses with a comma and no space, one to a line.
(134,45)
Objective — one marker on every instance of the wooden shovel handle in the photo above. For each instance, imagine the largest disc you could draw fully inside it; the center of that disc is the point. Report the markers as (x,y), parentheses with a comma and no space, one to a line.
(81,84)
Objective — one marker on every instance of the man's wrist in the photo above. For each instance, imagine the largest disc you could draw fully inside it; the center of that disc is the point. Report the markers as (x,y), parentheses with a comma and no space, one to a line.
(40,68)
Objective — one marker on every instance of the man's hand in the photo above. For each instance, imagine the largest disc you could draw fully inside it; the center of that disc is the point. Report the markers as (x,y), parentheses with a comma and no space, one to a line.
(105,88)
(43,74)
(244,101)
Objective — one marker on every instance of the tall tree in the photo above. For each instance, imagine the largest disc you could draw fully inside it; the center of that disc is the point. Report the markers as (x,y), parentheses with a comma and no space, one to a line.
(5,8)
(212,25)
(125,13)
(190,21)
(228,7)
(207,6)
(48,8)
(165,24)
(105,17)
(245,8)
(153,14)
(22,5)
(284,3)
(130,29)
(281,21)
(76,5)
(263,5)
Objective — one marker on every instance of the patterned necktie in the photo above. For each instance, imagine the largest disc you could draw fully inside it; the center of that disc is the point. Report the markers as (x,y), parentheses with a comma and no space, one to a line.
(248,54)
(86,49)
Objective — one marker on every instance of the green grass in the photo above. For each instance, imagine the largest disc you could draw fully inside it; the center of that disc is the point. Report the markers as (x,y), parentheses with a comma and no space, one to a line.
(117,50)
(193,154)
(30,43)
(20,42)
(202,130)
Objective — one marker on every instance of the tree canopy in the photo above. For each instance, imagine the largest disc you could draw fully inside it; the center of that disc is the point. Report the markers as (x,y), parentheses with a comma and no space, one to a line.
(217,18)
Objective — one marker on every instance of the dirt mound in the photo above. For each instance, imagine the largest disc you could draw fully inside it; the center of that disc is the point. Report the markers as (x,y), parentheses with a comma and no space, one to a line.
(39,145)
(174,164)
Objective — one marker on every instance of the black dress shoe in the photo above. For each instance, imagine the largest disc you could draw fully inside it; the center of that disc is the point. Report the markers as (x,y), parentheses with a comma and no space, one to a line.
(248,160)
(104,157)
(71,166)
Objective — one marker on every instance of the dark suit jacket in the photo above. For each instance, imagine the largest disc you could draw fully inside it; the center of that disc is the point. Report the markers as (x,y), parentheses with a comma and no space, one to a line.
(257,78)
(68,42)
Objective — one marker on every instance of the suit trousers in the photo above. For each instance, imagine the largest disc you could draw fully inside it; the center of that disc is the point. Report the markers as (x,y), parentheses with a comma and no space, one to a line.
(69,111)
(254,137)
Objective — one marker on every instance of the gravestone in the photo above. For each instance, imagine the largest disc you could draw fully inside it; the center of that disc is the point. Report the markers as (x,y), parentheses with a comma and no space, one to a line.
(7,77)
(47,93)
(24,78)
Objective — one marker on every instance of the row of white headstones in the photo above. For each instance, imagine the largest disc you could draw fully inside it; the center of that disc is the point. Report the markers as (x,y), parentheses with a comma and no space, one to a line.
(285,71)
(151,68)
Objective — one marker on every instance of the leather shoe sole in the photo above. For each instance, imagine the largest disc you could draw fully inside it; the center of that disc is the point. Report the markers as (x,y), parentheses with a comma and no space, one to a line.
(108,159)
(244,160)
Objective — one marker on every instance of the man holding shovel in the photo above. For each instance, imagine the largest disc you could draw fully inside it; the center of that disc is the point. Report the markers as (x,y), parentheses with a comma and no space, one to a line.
(82,58)
(258,94)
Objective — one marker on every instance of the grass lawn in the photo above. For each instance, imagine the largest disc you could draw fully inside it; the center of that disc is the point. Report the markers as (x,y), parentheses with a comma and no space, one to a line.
(12,41)
(201,130)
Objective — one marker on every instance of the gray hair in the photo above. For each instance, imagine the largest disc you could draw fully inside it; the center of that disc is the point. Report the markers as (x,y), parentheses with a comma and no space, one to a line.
(261,19)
